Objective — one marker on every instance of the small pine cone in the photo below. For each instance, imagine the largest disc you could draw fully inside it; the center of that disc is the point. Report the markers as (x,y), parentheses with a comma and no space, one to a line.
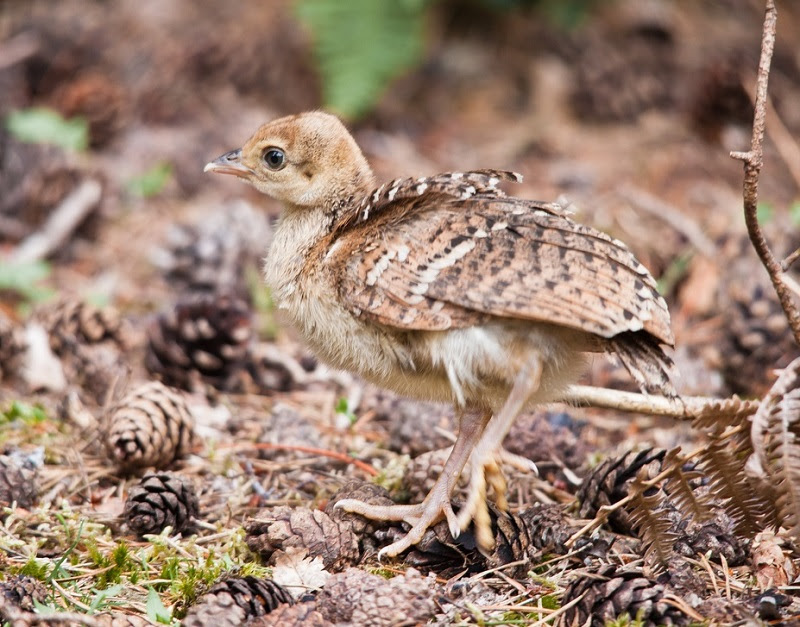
(608,483)
(758,339)
(20,591)
(610,593)
(213,256)
(96,98)
(70,322)
(298,615)
(207,338)
(161,500)
(232,602)
(362,491)
(282,528)
(356,597)
(18,483)
(151,426)
(720,98)
(423,471)
(12,346)
(517,537)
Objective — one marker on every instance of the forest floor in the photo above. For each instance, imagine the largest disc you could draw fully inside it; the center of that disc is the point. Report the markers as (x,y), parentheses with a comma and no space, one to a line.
(629,117)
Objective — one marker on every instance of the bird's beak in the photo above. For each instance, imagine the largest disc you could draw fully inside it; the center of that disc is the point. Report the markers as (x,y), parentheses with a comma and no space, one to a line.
(229,163)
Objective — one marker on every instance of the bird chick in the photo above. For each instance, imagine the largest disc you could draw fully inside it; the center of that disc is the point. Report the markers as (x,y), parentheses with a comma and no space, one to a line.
(443,288)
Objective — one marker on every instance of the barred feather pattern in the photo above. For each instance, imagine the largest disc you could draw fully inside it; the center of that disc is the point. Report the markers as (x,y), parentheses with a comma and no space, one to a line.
(452,250)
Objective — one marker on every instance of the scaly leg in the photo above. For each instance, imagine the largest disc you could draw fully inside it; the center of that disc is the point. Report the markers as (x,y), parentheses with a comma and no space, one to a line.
(437,502)
(484,460)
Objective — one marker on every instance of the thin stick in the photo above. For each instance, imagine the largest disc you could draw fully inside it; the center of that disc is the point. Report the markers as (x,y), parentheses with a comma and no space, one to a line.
(61,223)
(787,263)
(684,408)
(370,470)
(753,162)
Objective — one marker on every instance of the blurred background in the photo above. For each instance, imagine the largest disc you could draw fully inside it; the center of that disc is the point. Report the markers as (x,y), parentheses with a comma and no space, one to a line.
(625,108)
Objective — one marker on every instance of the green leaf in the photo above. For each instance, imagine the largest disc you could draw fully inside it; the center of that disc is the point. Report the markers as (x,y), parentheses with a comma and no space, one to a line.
(156,611)
(361,45)
(24,279)
(794,212)
(150,182)
(764,213)
(101,596)
(39,125)
(29,414)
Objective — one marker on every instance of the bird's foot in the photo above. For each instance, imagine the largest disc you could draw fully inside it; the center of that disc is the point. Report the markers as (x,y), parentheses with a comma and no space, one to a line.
(420,516)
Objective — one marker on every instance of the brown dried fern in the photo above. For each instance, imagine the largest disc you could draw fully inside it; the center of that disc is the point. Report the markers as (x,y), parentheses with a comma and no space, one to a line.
(724,465)
(651,520)
(679,486)
(775,436)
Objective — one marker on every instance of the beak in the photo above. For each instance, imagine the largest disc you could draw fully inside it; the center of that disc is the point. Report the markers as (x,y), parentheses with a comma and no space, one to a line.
(229,163)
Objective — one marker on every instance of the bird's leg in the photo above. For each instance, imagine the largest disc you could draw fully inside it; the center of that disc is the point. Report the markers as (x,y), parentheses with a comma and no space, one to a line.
(437,503)
(484,461)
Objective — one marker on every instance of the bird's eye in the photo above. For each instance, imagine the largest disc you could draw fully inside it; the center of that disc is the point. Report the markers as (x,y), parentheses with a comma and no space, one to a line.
(274,158)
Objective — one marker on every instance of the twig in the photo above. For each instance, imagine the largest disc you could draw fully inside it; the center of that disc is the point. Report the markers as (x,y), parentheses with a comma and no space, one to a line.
(670,215)
(61,223)
(753,162)
(17,49)
(370,470)
(787,263)
(685,408)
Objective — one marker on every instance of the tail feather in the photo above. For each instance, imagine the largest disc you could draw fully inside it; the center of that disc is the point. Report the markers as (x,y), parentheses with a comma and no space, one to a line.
(645,360)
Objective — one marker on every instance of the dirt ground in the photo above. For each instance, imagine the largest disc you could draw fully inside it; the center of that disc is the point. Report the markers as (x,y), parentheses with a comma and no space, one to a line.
(628,116)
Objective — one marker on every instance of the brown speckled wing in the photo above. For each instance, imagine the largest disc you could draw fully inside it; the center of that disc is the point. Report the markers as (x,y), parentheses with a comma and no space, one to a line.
(432,259)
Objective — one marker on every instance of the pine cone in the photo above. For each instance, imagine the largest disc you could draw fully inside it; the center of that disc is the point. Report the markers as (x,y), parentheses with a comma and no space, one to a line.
(161,500)
(758,339)
(213,256)
(70,322)
(282,528)
(121,620)
(610,592)
(720,98)
(18,483)
(204,339)
(90,341)
(358,598)
(608,483)
(96,98)
(423,471)
(20,591)
(236,600)
(517,537)
(12,346)
(151,426)
(298,615)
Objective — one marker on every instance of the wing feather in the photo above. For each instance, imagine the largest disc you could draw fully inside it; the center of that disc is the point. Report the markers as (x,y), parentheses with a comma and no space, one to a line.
(450,262)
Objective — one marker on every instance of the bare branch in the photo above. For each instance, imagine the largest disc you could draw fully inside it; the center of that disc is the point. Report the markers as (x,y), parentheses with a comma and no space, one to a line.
(753,162)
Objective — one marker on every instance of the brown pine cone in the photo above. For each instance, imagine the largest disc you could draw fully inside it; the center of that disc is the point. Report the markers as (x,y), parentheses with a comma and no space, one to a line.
(423,471)
(161,500)
(151,426)
(215,255)
(20,591)
(608,483)
(517,537)
(757,337)
(610,593)
(204,339)
(18,483)
(282,528)
(232,602)
(121,620)
(90,341)
(298,615)
(356,597)
(70,322)
(12,346)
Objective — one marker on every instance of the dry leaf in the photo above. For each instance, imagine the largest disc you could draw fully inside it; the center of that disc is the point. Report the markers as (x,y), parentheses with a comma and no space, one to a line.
(298,573)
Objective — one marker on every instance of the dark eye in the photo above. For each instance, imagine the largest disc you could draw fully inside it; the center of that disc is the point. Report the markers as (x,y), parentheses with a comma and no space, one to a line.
(274,158)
